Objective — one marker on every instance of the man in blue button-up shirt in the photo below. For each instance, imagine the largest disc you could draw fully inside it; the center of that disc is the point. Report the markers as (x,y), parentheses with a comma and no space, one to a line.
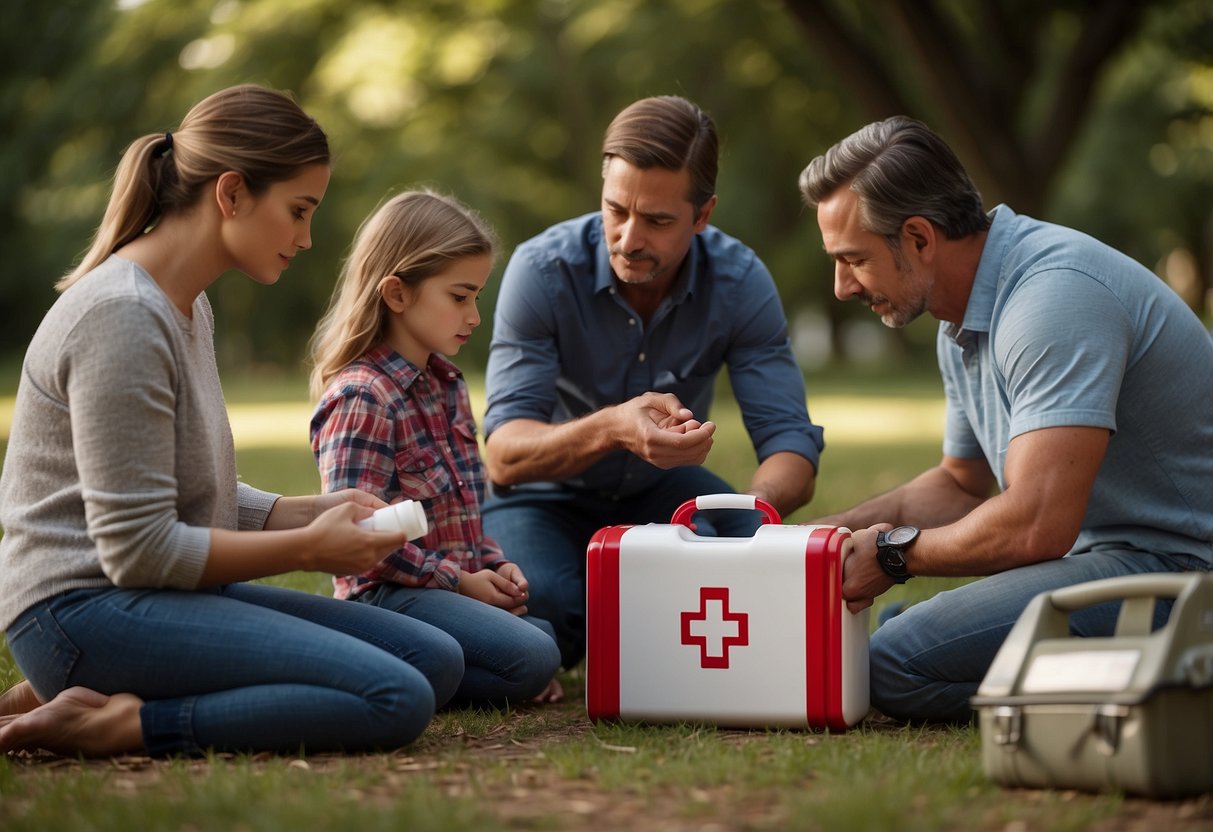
(1078,441)
(610,330)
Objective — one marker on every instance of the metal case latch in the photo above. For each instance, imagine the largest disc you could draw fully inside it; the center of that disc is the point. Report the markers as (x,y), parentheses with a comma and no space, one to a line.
(1109,719)
(1008,724)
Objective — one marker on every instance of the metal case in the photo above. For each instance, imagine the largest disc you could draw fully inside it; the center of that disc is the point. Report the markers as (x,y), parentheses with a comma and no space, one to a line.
(1131,712)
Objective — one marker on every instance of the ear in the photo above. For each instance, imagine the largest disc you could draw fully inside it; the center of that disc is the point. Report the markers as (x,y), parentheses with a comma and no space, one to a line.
(705,213)
(918,237)
(394,292)
(230,190)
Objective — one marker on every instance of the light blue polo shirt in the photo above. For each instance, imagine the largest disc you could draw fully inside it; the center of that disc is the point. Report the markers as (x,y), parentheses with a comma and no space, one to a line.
(1062,330)
(565,343)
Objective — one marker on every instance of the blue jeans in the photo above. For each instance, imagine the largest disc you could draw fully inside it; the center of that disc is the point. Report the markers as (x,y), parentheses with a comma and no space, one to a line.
(243,667)
(507,659)
(546,530)
(928,661)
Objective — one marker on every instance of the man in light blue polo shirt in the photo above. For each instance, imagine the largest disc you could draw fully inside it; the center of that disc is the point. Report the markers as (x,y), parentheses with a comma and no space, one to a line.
(609,333)
(1079,436)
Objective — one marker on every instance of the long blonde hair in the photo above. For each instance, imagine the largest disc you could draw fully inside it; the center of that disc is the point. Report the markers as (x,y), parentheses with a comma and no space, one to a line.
(415,235)
(259,133)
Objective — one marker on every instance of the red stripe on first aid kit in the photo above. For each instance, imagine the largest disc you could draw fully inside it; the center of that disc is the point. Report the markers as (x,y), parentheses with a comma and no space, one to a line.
(602,608)
(823,629)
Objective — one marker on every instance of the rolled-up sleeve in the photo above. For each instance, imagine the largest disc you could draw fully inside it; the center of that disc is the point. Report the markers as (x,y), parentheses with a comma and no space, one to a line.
(767,381)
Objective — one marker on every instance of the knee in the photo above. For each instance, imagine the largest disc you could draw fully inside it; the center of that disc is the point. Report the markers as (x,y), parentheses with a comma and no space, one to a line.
(402,704)
(527,661)
(542,661)
(442,664)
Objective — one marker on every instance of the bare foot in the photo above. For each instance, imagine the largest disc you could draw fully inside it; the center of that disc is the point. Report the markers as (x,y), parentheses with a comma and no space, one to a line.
(77,721)
(19,699)
(552,693)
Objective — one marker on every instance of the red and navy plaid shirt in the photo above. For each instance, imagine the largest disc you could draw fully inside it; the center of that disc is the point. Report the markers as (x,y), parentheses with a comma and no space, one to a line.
(384,427)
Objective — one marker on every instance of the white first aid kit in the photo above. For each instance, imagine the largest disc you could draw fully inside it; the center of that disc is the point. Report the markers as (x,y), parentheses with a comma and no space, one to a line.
(737,632)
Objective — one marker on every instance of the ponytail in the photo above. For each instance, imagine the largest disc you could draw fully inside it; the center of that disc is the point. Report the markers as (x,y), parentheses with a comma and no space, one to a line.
(260,133)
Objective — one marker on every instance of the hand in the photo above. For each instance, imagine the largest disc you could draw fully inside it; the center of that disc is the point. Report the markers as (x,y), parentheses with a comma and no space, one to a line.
(492,588)
(323,502)
(862,577)
(297,512)
(512,572)
(338,545)
(658,429)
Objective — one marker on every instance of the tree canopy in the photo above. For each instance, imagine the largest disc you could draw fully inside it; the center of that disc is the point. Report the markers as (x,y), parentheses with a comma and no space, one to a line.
(1098,115)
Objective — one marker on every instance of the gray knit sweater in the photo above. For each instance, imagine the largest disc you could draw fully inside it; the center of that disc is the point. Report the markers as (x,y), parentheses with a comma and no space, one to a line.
(120,458)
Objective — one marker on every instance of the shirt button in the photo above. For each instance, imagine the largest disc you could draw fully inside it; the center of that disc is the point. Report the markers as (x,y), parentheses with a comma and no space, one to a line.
(631,322)
(612,290)
(461,483)
(640,358)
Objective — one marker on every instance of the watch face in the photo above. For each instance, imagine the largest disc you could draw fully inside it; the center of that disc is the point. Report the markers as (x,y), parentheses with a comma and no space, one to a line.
(900,535)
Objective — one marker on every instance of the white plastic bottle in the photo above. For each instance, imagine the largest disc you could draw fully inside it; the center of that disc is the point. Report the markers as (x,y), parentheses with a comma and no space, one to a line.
(406,516)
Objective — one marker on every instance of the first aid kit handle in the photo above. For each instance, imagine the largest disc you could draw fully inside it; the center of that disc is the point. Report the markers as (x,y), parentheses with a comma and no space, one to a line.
(682,517)
(1089,594)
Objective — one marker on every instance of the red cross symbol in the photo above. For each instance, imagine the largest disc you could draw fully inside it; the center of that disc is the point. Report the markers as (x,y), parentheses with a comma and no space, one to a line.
(716,621)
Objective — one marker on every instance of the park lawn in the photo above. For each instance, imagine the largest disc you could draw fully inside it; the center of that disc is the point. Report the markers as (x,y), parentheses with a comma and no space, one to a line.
(551,768)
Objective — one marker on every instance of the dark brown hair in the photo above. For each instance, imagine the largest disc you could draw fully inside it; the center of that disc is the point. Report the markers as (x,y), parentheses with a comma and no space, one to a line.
(669,132)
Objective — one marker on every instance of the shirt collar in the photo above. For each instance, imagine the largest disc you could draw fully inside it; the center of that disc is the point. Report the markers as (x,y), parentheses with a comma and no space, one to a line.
(397,367)
(980,309)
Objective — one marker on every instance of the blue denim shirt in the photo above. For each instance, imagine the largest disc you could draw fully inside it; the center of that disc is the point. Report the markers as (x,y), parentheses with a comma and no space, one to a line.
(565,343)
(1062,330)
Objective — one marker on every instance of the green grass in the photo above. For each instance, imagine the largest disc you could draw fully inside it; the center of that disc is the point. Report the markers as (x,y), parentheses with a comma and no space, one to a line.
(549,767)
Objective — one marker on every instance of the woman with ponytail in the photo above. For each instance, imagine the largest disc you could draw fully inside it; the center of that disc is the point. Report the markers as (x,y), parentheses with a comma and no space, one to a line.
(128,541)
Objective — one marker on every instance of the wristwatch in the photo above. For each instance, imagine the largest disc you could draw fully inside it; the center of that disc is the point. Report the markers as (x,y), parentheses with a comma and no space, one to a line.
(891,551)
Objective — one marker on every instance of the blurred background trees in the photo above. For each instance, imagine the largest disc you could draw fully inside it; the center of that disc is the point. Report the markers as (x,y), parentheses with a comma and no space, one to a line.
(1094,114)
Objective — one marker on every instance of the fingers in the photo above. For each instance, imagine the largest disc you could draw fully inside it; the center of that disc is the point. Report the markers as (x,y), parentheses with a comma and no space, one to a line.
(513,573)
(359,497)
(859,606)
(504,585)
(670,448)
(324,502)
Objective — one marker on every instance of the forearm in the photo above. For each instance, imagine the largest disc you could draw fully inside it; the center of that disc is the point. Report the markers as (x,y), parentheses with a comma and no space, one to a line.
(931,499)
(985,541)
(785,480)
(998,535)
(526,450)
(245,556)
(333,542)
(291,513)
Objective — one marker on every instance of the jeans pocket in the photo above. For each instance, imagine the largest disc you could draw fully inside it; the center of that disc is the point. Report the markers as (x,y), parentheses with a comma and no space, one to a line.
(43,651)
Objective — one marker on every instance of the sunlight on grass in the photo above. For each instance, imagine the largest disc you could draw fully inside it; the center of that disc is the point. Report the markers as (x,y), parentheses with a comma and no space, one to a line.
(278,425)
(847,418)
(878,420)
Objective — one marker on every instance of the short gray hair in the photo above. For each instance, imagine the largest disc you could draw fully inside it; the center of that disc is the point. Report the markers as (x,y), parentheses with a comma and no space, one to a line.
(899,169)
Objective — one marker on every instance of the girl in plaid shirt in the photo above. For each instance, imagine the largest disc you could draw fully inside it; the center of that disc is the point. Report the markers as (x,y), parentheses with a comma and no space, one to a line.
(394,419)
